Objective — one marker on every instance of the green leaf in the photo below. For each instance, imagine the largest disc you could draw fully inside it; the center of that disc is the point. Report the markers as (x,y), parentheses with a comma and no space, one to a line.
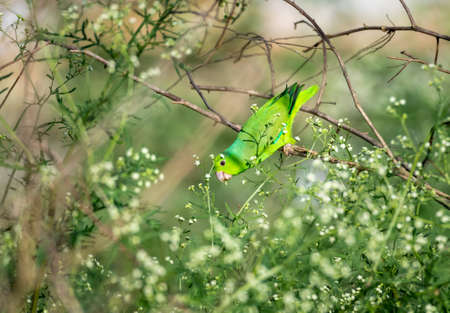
(5,76)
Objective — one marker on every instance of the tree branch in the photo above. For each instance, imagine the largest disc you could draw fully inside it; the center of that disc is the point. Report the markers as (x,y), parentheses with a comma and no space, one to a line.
(213,116)
(223,120)
(383,28)
(416,60)
(311,111)
(347,78)
(408,12)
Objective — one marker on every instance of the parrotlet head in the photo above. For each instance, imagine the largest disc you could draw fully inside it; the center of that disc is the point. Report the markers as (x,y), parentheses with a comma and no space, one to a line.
(226,166)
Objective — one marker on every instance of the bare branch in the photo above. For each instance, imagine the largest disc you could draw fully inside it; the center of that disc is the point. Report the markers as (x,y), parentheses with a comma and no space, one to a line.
(408,12)
(223,120)
(171,96)
(436,54)
(398,73)
(347,79)
(324,78)
(415,60)
(324,70)
(385,29)
(269,60)
(17,59)
(30,55)
(229,18)
(311,154)
(311,111)
(211,115)
(234,89)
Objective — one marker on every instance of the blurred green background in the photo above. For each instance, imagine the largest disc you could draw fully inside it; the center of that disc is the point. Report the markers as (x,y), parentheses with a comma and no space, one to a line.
(175,133)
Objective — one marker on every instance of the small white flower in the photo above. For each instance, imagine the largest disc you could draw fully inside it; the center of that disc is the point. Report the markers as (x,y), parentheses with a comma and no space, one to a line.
(134,60)
(311,177)
(207,176)
(111,66)
(135,176)
(392,99)
(297,138)
(108,166)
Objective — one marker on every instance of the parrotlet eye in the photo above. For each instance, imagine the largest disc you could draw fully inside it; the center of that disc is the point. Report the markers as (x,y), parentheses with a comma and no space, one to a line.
(222,162)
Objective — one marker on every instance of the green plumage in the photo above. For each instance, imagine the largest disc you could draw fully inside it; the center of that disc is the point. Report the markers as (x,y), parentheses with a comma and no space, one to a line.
(265,131)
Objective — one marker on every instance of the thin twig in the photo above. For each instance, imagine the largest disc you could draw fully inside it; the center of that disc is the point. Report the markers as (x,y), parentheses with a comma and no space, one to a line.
(233,89)
(408,12)
(311,154)
(311,111)
(398,73)
(415,60)
(191,80)
(272,69)
(206,113)
(324,64)
(324,78)
(229,18)
(28,54)
(224,120)
(382,28)
(267,51)
(18,76)
(306,61)
(436,55)
(241,52)
(347,79)
(169,95)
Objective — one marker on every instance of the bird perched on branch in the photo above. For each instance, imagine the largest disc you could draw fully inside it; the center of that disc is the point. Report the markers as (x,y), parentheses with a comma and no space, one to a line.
(267,130)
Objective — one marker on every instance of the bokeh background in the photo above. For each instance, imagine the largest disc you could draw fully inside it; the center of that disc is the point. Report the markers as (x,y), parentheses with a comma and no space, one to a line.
(175,133)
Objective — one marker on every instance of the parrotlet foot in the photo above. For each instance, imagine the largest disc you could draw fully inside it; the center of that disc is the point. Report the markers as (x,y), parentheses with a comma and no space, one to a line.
(288,149)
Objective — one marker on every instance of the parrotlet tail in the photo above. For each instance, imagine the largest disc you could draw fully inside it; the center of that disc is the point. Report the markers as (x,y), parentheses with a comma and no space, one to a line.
(301,99)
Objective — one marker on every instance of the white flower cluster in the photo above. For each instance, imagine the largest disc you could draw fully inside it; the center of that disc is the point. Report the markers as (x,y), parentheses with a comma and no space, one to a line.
(113,15)
(196,159)
(126,223)
(173,238)
(150,73)
(147,278)
(201,255)
(232,244)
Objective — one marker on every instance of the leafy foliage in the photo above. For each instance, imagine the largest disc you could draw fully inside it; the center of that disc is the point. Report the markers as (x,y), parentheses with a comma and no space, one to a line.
(340,230)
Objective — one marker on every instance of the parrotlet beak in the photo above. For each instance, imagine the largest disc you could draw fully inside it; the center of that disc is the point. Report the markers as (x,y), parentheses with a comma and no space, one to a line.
(223,176)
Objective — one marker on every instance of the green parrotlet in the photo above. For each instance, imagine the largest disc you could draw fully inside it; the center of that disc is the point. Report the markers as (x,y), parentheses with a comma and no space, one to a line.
(267,130)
